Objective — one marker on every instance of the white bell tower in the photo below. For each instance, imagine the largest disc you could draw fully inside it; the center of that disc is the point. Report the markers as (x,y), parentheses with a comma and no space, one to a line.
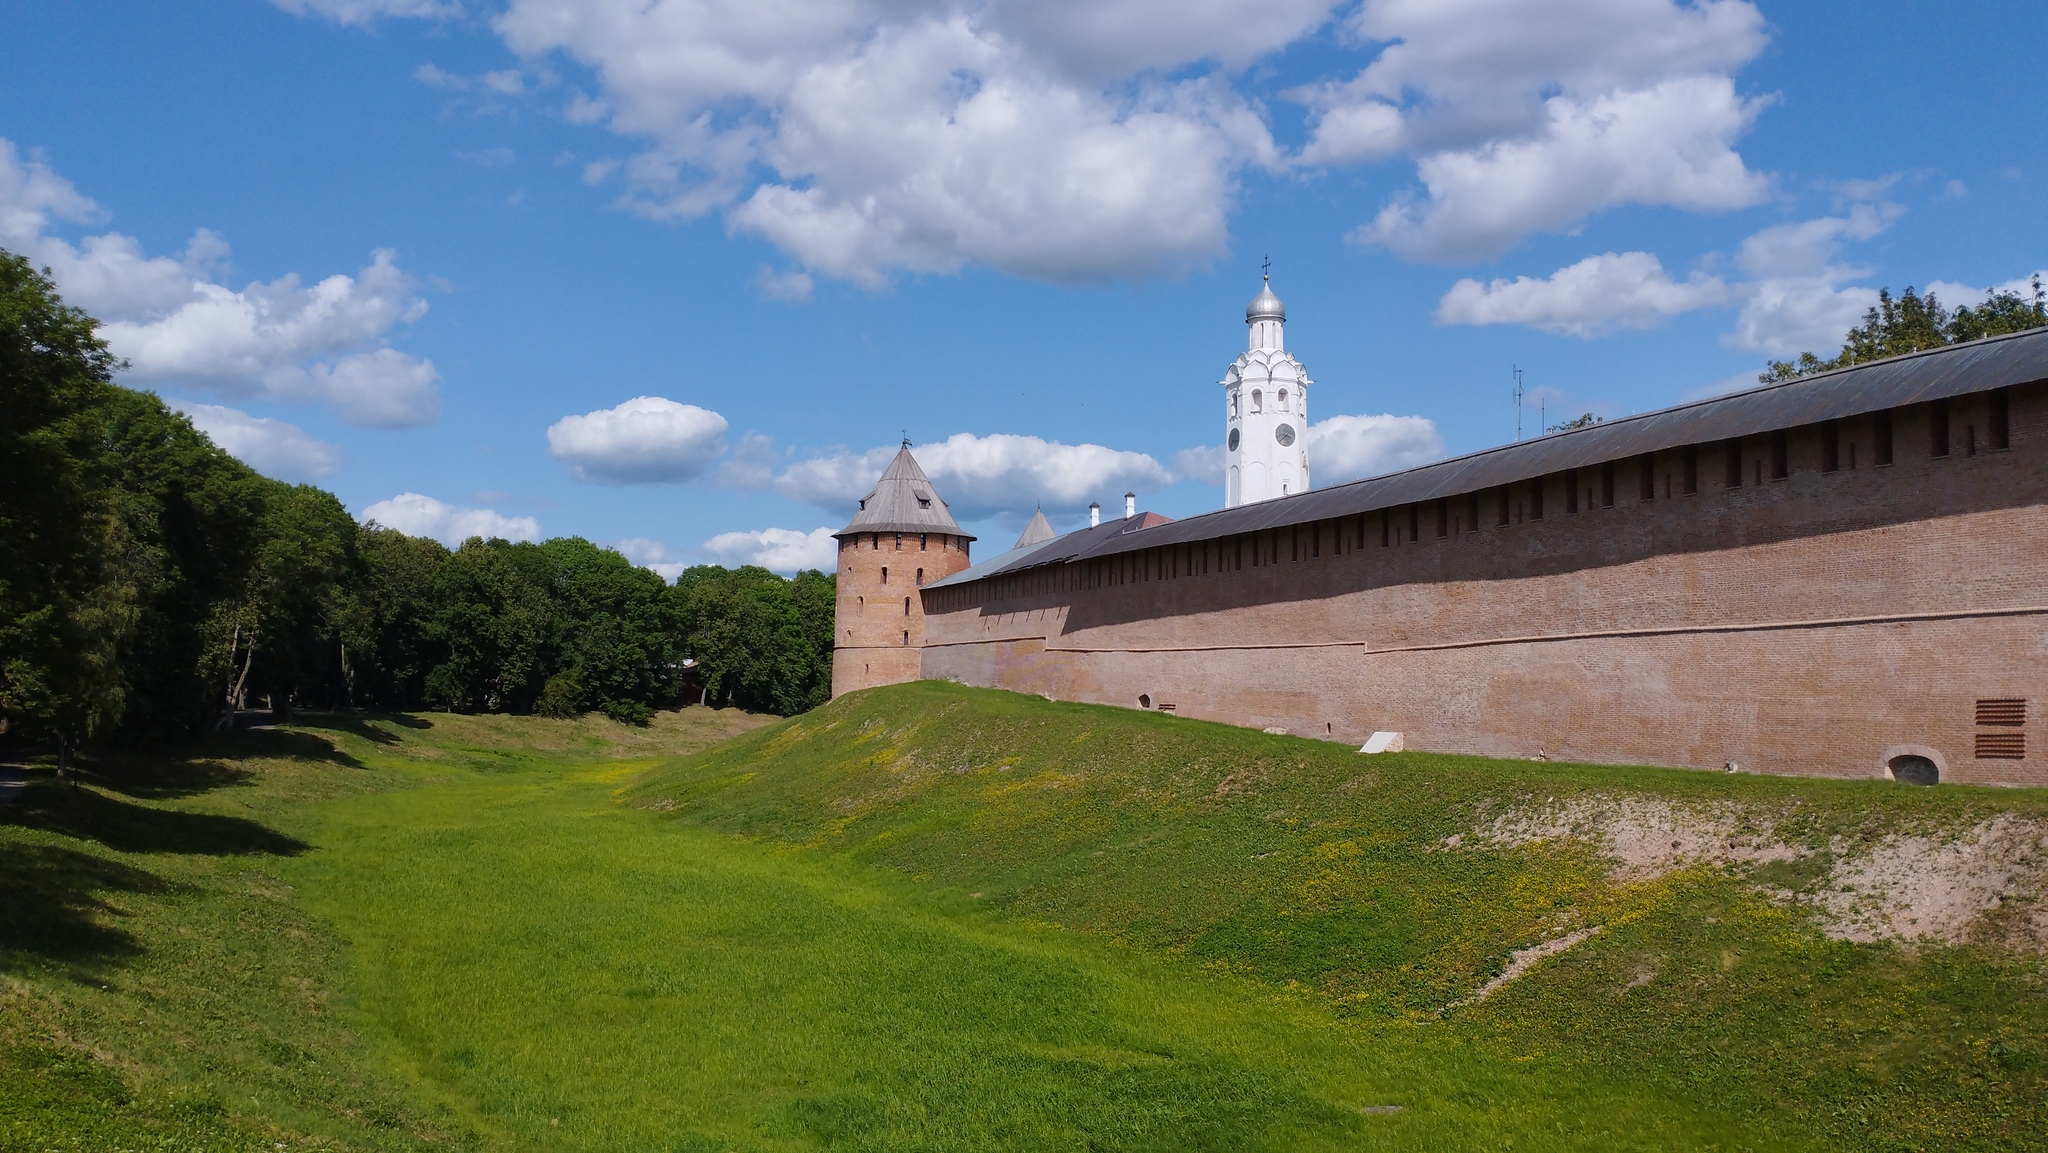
(1265,398)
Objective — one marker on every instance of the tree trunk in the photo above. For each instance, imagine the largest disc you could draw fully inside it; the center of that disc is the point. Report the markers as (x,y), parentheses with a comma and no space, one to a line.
(236,697)
(348,680)
(63,757)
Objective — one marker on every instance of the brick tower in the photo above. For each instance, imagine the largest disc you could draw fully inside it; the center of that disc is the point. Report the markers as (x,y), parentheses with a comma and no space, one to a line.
(902,539)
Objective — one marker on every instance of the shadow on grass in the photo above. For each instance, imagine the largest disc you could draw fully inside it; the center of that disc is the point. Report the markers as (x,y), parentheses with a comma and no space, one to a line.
(91,815)
(360,724)
(280,743)
(48,910)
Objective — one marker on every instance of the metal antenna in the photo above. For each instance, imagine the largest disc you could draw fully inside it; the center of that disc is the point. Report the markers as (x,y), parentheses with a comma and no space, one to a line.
(1518,402)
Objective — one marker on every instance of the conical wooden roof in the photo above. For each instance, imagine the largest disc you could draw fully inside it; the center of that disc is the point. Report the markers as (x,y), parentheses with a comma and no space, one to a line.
(1039,529)
(902,501)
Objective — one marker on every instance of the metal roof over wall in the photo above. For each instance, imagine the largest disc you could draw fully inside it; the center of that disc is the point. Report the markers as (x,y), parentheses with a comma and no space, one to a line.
(1936,374)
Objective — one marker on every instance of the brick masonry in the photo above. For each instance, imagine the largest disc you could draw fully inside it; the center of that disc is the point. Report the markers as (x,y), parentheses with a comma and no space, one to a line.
(879,617)
(1821,624)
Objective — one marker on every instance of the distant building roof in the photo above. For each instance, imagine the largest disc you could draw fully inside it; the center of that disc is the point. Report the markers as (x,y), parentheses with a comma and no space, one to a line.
(1936,374)
(1038,531)
(902,501)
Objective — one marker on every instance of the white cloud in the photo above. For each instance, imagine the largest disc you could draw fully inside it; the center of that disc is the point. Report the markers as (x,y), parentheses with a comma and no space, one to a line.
(381,389)
(1084,140)
(1667,145)
(1345,448)
(1798,301)
(271,447)
(417,515)
(1528,117)
(778,549)
(1798,294)
(366,12)
(981,476)
(1204,463)
(653,555)
(1340,449)
(1595,296)
(646,440)
(790,287)
(1033,137)
(1954,294)
(176,323)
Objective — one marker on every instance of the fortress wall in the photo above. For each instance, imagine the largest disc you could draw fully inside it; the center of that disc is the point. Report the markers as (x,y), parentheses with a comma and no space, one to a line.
(1814,624)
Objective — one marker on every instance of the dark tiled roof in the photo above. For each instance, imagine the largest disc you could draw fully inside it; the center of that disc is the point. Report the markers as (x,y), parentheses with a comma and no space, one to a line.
(1958,370)
(903,501)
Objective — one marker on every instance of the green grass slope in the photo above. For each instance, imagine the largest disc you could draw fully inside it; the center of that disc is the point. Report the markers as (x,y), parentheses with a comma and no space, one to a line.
(164,982)
(933,918)
(1303,867)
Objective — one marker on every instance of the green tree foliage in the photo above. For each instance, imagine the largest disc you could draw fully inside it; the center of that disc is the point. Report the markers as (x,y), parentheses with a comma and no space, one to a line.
(760,642)
(152,584)
(1913,323)
(66,607)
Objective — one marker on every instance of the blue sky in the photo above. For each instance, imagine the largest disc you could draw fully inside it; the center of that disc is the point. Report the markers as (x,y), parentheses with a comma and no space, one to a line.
(1023,234)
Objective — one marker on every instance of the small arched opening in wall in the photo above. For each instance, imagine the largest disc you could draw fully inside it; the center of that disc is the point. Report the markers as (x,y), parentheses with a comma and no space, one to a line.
(1144,700)
(1913,765)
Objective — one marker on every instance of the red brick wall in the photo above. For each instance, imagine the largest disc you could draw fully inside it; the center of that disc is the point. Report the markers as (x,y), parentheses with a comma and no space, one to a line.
(879,619)
(1812,624)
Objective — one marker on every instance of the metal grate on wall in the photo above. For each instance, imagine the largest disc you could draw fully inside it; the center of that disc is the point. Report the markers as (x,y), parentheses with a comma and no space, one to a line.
(2006,711)
(2001,746)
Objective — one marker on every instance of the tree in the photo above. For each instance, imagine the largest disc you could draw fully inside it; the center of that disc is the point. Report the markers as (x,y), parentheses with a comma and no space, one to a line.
(66,605)
(382,617)
(1913,323)
(1588,420)
(761,642)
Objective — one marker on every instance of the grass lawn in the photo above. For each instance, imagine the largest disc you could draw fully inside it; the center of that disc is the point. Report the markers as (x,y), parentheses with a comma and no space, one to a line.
(936,918)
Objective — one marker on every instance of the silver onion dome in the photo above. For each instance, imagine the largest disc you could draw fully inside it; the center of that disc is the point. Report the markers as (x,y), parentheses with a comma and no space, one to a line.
(1265,306)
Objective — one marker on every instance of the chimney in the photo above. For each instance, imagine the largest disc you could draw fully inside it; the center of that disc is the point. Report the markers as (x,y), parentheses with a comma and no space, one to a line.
(1130,505)
(1094,514)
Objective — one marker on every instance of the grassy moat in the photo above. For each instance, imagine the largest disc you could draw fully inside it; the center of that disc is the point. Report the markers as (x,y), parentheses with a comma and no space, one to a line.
(928,917)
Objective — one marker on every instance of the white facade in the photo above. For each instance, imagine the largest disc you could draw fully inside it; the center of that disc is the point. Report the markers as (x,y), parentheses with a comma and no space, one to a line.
(1265,398)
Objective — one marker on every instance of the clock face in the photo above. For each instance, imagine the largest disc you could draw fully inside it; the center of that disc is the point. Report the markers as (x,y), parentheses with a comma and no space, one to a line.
(1233,440)
(1284,434)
